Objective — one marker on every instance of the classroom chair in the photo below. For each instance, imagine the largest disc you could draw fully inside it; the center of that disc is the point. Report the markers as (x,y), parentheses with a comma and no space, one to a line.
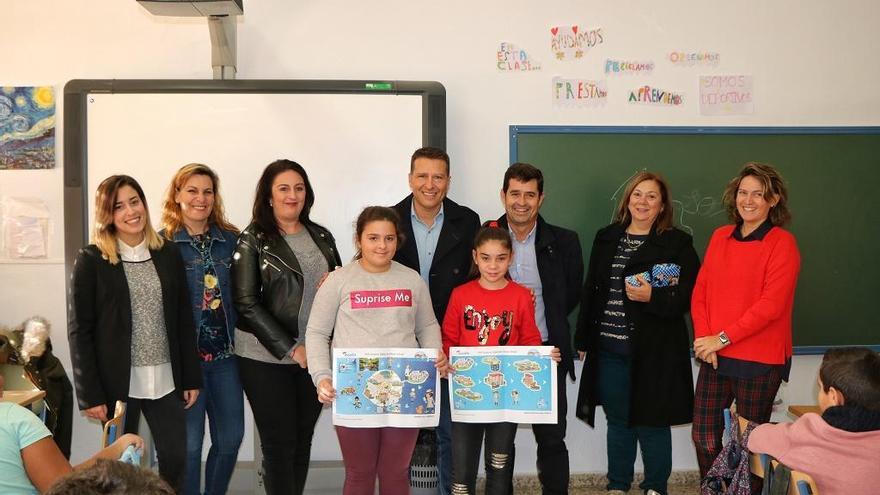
(113,428)
(801,483)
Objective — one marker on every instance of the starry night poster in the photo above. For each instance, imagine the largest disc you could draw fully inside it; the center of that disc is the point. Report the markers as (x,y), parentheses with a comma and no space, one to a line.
(27,127)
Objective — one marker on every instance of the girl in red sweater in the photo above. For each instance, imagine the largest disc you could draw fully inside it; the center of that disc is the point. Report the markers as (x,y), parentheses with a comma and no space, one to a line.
(489,310)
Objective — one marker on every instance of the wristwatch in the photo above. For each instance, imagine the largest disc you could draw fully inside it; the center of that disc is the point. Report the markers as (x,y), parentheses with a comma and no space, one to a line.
(723,338)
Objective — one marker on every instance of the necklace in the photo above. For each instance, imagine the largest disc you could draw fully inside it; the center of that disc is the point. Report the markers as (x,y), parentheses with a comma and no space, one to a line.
(632,243)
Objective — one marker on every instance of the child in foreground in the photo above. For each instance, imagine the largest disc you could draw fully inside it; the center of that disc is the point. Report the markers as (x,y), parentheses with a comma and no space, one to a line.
(337,319)
(489,310)
(839,449)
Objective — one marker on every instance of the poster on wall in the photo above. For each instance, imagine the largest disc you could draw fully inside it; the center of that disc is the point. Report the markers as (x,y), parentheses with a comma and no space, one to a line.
(572,42)
(512,58)
(726,95)
(27,127)
(579,92)
(385,387)
(494,384)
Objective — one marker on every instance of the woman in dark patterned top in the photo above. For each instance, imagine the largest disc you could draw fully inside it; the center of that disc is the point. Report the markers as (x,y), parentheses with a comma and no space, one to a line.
(130,332)
(632,335)
(193,217)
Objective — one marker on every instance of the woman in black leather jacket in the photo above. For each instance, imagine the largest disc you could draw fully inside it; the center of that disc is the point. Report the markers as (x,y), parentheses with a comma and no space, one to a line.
(280,259)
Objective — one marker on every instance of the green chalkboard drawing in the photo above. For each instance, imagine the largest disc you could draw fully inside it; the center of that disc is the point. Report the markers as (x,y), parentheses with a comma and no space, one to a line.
(831,174)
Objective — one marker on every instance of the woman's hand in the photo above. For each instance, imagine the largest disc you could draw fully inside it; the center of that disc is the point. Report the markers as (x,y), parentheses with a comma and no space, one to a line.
(642,293)
(442,364)
(556,354)
(189,397)
(706,347)
(298,354)
(326,392)
(97,412)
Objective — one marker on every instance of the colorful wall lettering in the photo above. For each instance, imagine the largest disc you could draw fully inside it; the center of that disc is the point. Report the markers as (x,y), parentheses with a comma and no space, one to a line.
(694,58)
(572,42)
(655,96)
(726,95)
(511,58)
(628,67)
(579,92)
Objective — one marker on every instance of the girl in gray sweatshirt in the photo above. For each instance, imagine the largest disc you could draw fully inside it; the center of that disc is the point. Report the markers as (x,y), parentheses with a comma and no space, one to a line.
(372,302)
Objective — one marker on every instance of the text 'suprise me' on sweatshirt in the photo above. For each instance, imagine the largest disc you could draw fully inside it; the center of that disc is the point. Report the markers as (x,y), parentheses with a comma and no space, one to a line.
(363,309)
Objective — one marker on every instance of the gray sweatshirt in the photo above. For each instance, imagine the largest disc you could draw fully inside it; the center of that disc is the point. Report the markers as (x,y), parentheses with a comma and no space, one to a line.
(363,309)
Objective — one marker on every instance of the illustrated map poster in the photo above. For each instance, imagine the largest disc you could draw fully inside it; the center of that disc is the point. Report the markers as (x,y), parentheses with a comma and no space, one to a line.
(494,384)
(385,387)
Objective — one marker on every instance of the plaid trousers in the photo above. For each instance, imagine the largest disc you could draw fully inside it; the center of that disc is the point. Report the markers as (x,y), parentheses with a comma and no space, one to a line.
(715,393)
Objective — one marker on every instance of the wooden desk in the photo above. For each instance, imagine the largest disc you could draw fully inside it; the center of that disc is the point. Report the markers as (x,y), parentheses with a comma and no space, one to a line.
(22,397)
(798,411)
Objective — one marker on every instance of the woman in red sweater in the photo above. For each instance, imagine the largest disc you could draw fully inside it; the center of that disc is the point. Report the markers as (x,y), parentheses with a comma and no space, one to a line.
(741,307)
(489,310)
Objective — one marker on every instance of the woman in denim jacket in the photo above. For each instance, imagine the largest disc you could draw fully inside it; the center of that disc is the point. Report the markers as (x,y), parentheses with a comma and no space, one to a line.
(194,219)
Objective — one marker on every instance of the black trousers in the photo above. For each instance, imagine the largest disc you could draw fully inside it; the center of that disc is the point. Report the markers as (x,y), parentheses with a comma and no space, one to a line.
(167,422)
(286,408)
(553,469)
(467,440)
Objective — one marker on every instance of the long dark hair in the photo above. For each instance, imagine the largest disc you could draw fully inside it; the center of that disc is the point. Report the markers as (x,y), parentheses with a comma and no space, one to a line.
(263,215)
(490,231)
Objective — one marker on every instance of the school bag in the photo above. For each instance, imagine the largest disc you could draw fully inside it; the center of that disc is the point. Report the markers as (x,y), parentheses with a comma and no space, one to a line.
(730,474)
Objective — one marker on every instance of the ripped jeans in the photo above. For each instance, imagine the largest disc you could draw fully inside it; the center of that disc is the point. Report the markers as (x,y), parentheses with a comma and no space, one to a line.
(467,438)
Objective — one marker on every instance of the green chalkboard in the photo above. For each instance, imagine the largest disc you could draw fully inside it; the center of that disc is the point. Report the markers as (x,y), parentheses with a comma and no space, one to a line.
(833,176)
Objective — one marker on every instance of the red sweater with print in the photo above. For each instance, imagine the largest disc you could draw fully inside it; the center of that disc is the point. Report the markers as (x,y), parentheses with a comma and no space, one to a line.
(477,316)
(746,289)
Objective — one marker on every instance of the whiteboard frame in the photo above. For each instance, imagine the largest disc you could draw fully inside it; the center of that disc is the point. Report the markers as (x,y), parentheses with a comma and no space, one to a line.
(77,91)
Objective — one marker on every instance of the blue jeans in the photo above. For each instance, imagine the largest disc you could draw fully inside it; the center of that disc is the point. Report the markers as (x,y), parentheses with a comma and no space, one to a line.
(623,438)
(223,401)
(444,442)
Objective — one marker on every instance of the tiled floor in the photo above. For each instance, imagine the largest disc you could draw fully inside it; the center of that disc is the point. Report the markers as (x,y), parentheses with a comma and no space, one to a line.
(327,477)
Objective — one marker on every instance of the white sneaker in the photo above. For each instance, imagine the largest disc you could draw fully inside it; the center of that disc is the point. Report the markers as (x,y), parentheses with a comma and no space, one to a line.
(652,492)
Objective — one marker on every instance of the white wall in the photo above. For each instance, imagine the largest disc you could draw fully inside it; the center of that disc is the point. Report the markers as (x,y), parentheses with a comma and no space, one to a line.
(813,64)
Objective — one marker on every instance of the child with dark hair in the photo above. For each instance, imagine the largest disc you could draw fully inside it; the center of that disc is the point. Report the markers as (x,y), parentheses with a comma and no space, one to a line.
(490,310)
(110,477)
(349,312)
(839,449)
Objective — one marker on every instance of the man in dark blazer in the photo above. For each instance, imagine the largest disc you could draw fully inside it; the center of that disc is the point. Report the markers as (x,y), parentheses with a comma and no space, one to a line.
(439,239)
(548,260)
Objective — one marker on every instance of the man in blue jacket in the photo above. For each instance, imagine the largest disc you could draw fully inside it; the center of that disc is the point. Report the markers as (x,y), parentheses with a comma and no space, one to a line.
(548,260)
(439,239)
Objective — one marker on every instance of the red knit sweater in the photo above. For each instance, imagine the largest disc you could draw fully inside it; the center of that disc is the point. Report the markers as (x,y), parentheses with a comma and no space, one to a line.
(474,310)
(746,289)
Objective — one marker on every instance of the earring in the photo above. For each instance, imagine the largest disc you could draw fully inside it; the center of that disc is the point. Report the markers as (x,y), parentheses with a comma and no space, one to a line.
(270,203)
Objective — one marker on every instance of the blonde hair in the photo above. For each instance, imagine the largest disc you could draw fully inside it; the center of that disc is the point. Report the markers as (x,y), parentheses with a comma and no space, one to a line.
(172,216)
(104,235)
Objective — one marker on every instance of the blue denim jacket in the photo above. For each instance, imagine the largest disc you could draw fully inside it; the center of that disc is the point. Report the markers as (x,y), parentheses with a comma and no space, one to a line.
(222,247)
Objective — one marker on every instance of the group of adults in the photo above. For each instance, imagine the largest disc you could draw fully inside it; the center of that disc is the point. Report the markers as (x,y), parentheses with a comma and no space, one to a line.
(179,322)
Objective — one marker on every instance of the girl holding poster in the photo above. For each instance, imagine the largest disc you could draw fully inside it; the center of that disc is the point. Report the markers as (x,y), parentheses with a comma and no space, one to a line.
(489,310)
(372,302)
